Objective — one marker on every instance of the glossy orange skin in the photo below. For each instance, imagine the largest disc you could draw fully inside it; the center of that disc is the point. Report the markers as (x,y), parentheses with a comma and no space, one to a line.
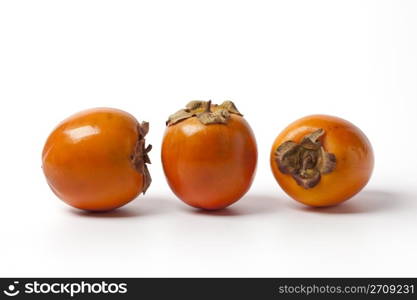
(87,160)
(209,166)
(354,160)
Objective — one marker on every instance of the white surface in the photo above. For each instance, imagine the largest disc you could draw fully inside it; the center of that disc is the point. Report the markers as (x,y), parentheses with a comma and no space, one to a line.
(278,60)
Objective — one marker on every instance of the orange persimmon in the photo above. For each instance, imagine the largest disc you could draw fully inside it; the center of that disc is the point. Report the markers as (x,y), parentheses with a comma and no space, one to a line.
(209,154)
(322,160)
(96,159)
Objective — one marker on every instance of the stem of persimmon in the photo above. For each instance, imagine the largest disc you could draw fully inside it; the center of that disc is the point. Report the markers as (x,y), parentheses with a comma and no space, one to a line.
(208,108)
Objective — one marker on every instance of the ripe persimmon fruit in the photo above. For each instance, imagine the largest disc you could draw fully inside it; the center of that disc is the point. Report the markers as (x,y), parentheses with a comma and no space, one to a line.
(322,160)
(209,154)
(96,159)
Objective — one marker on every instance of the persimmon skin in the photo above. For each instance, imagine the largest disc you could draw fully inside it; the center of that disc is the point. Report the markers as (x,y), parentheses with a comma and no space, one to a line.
(209,166)
(354,160)
(87,160)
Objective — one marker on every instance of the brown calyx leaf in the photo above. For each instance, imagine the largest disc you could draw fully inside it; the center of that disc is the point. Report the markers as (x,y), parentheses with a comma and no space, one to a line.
(196,104)
(179,116)
(287,153)
(308,182)
(230,107)
(306,161)
(140,156)
(327,162)
(205,112)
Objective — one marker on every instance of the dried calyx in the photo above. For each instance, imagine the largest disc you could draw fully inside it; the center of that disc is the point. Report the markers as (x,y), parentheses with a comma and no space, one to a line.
(205,112)
(140,156)
(305,161)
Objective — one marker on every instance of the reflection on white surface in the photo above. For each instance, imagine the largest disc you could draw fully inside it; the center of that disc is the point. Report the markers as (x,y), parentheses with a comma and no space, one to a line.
(263,234)
(79,133)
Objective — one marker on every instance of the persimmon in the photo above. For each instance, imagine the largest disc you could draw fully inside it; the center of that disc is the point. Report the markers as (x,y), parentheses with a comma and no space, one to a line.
(209,154)
(96,159)
(321,160)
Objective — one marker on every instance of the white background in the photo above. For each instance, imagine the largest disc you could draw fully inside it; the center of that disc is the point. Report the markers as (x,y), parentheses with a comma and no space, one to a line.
(279,61)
